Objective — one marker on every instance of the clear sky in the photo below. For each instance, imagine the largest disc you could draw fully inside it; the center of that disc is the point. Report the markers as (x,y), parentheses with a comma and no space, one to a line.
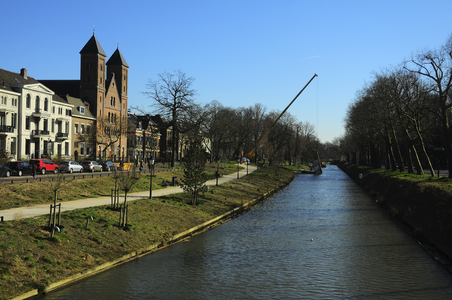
(239,52)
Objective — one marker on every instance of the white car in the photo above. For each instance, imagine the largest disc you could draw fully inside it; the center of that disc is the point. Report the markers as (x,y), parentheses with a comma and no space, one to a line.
(70,167)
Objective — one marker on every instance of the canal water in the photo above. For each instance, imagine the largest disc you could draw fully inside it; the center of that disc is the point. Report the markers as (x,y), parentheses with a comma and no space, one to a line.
(321,237)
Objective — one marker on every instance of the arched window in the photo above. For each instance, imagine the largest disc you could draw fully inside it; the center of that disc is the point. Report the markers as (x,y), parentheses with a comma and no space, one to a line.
(28,102)
(37,104)
(46,104)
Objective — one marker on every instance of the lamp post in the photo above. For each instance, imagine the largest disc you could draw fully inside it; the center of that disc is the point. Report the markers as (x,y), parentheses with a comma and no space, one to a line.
(152,160)
(247,162)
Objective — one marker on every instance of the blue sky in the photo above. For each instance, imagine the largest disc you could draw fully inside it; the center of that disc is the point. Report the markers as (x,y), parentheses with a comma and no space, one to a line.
(239,52)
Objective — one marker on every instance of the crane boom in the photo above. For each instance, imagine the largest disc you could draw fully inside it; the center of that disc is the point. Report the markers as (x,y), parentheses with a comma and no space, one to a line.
(251,153)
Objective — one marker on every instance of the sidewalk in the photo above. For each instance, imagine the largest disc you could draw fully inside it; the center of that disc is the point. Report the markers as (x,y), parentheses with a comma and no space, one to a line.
(39,210)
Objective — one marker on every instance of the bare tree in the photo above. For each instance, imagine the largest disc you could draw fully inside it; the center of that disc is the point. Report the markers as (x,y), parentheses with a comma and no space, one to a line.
(174,96)
(436,67)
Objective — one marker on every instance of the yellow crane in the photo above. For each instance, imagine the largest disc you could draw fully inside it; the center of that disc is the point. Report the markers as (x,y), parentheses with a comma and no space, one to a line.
(251,153)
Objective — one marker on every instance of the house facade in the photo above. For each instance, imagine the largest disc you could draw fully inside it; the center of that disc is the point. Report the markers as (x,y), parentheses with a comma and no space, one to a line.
(32,118)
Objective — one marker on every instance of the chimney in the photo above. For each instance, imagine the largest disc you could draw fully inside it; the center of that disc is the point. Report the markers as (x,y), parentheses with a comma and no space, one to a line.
(23,73)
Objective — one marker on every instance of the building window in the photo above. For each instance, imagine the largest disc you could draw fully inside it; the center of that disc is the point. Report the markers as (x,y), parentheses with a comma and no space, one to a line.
(46,125)
(13,145)
(67,127)
(27,147)
(27,123)
(88,129)
(76,128)
(66,148)
(82,148)
(82,128)
(46,104)
(28,102)
(53,125)
(53,109)
(82,110)
(14,120)
(75,144)
(68,112)
(37,104)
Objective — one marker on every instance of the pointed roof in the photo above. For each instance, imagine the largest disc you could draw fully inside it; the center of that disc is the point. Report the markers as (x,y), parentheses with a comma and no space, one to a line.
(117,59)
(93,46)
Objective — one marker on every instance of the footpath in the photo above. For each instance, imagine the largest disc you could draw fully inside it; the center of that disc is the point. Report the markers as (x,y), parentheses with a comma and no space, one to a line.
(39,210)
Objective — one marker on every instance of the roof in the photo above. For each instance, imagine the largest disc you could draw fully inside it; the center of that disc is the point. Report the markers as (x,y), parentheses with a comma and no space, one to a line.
(93,46)
(8,80)
(76,102)
(117,59)
(63,87)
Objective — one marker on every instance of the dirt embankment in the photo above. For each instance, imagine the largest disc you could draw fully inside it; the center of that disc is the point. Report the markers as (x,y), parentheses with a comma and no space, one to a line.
(422,207)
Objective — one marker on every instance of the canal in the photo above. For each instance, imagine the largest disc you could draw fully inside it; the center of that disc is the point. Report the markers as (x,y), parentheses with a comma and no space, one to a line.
(321,237)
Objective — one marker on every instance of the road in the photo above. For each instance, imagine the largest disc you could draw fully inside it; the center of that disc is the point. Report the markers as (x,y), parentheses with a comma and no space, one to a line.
(28,212)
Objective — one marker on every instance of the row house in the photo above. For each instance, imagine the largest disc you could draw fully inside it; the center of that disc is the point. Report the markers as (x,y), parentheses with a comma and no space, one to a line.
(83,123)
(34,122)
(143,138)
(152,136)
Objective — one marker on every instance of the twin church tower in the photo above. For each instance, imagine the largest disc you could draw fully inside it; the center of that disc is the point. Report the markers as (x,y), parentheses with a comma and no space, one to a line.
(103,88)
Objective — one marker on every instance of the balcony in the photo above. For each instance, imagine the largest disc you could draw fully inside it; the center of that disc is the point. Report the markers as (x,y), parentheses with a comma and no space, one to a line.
(39,113)
(62,136)
(40,133)
(6,129)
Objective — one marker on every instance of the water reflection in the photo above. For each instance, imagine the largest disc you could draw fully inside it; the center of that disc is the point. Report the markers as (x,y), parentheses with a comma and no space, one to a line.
(320,238)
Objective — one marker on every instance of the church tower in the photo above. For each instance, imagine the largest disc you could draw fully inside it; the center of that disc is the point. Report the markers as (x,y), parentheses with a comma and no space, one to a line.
(92,75)
(118,69)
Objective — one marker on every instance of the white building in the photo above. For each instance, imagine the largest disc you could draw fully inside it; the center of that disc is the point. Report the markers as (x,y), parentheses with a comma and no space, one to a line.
(35,122)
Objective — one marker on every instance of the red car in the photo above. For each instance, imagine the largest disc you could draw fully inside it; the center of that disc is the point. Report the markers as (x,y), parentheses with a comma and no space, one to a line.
(44,165)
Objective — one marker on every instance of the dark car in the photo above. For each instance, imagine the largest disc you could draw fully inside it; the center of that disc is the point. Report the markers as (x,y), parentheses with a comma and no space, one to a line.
(108,166)
(20,168)
(5,171)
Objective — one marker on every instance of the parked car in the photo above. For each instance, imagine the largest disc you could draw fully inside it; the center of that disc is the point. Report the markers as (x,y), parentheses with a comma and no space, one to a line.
(44,165)
(71,166)
(20,168)
(108,166)
(91,166)
(5,171)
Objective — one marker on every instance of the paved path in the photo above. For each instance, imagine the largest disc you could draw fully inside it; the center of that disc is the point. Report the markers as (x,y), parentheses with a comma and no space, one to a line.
(39,210)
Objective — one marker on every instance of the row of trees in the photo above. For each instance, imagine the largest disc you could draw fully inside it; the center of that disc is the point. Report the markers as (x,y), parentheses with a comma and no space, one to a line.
(228,132)
(402,116)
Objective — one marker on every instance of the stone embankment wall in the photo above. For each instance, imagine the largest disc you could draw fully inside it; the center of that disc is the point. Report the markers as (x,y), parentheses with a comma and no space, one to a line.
(422,208)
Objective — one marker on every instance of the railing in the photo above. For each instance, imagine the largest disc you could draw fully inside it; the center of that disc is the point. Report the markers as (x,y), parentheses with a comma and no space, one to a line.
(62,135)
(40,132)
(5,128)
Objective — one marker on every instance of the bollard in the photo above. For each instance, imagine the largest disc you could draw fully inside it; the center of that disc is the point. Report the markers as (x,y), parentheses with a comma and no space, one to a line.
(50,215)
(59,214)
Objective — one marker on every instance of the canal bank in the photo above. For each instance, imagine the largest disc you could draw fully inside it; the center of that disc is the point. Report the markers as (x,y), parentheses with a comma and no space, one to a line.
(420,204)
(81,251)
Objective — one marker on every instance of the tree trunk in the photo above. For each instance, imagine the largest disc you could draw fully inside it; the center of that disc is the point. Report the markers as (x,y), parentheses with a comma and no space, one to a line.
(398,152)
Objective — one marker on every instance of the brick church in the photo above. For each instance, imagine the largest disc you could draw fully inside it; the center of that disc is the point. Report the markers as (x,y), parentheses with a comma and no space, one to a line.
(103,88)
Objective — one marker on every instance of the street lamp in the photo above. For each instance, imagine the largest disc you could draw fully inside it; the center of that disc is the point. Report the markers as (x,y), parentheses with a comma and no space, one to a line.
(247,162)
(151,161)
